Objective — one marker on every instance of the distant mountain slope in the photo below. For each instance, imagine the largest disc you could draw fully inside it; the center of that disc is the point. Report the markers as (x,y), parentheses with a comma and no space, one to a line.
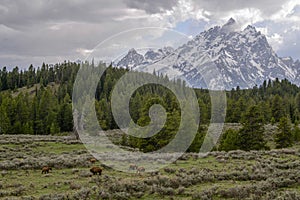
(243,58)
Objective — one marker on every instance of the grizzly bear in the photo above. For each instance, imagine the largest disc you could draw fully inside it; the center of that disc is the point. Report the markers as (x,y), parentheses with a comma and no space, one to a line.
(45,170)
(96,170)
(140,169)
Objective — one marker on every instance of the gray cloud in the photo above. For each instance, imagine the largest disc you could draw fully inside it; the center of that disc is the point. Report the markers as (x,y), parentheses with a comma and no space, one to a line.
(154,6)
(42,30)
(54,30)
(267,7)
(21,14)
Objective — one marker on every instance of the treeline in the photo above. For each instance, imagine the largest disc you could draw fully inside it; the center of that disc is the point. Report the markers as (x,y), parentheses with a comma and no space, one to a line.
(140,102)
(275,99)
(274,102)
(59,73)
(49,109)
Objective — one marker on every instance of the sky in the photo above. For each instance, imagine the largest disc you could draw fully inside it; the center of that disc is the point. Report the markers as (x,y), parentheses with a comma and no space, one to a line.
(52,31)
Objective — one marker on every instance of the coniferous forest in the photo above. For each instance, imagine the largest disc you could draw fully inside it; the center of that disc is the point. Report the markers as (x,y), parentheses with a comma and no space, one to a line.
(38,101)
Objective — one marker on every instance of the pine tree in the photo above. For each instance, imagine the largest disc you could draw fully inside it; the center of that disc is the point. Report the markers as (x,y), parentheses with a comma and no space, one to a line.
(27,128)
(277,108)
(4,121)
(229,140)
(297,101)
(65,115)
(296,133)
(54,128)
(284,136)
(251,136)
(204,112)
(17,128)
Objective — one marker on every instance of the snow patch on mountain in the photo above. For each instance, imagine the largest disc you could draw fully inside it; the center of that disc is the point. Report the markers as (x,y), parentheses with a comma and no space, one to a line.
(221,55)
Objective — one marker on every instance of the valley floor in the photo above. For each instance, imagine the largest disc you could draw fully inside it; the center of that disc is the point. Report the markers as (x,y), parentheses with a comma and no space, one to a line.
(271,174)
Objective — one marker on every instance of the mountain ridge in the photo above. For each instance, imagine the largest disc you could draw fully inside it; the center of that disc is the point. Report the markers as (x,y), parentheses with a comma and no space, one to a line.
(242,58)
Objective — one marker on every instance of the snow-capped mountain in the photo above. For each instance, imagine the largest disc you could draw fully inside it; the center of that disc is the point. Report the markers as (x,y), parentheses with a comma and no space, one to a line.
(134,59)
(220,54)
(152,56)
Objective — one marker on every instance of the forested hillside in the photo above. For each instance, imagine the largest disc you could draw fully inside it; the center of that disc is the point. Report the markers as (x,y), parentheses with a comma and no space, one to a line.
(45,110)
(38,101)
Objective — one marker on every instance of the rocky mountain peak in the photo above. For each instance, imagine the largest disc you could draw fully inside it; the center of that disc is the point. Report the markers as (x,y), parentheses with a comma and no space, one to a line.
(244,58)
(132,59)
(132,51)
(230,22)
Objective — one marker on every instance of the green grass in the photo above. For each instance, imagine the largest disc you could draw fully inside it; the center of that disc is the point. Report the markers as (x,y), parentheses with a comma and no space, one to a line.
(59,180)
(58,148)
(31,90)
(37,184)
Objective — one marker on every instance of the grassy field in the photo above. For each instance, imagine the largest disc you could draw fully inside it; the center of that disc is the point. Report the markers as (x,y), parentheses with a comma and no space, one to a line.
(31,90)
(234,175)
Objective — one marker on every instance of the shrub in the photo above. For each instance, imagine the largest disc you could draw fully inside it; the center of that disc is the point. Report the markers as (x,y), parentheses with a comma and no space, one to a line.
(18,191)
(181,190)
(74,171)
(3,173)
(170,170)
(121,196)
(28,198)
(85,174)
(165,191)
(198,195)
(75,186)
(138,195)
(163,180)
(82,194)
(104,195)
(239,192)
(53,196)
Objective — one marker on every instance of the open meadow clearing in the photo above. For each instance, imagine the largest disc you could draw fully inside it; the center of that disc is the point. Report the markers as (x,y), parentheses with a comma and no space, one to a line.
(219,175)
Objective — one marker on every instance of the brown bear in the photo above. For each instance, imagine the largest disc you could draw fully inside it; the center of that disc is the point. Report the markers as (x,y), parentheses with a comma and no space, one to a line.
(140,169)
(96,170)
(45,170)
(93,160)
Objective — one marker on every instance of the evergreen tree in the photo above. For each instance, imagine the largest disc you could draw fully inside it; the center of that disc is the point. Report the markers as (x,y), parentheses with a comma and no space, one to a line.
(54,128)
(297,101)
(17,128)
(4,121)
(296,133)
(198,140)
(277,108)
(251,136)
(204,112)
(46,109)
(65,115)
(27,128)
(229,140)
(284,136)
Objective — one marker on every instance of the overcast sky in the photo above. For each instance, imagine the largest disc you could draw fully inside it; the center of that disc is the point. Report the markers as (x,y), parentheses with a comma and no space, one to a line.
(52,31)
